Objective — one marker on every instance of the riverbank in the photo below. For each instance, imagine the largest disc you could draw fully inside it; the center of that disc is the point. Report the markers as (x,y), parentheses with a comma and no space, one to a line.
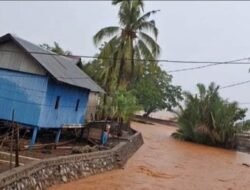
(165,163)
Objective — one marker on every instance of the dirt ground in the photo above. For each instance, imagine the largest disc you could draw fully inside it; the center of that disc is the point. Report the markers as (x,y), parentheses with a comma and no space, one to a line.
(165,163)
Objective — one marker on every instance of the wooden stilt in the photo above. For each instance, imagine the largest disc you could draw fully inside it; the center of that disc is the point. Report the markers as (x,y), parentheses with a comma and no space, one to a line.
(33,139)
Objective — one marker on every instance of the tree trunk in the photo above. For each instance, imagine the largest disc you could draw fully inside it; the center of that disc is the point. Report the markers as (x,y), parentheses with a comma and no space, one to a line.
(132,60)
(147,113)
(120,74)
(104,107)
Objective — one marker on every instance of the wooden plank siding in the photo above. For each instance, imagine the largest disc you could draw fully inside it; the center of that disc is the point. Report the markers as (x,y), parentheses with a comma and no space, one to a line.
(18,61)
(92,105)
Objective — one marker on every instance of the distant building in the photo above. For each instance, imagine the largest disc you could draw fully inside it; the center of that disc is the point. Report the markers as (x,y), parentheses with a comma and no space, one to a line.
(43,89)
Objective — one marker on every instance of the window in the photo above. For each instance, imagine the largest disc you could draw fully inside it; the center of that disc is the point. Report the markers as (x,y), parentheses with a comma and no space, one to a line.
(77,104)
(57,102)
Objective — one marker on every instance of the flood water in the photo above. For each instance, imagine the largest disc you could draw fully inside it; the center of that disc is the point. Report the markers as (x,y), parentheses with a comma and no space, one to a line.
(167,164)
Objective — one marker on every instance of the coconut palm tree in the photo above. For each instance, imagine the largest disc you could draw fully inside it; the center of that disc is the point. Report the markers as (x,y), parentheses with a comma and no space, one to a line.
(134,39)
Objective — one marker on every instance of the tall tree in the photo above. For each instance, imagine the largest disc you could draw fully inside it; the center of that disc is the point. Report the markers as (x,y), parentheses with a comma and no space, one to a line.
(155,91)
(134,39)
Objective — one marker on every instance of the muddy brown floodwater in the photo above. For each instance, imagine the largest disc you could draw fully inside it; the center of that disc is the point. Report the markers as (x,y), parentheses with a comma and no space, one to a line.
(165,163)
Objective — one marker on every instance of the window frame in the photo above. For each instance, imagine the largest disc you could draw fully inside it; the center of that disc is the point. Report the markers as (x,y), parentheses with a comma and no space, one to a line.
(57,103)
(77,105)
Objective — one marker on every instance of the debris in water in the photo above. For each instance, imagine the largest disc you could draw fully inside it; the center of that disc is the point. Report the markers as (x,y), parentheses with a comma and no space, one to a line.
(245,164)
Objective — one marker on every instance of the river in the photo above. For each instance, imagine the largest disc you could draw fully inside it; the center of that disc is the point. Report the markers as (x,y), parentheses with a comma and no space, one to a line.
(165,163)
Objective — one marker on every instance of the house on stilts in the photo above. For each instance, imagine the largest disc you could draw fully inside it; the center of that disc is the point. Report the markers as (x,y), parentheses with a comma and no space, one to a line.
(45,90)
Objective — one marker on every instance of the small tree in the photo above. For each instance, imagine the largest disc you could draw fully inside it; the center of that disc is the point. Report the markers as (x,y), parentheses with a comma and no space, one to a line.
(125,105)
(120,106)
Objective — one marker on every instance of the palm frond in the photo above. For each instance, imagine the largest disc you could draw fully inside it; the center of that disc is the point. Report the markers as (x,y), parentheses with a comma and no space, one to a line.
(148,27)
(145,51)
(144,18)
(138,4)
(151,43)
(134,3)
(105,33)
(202,90)
(115,2)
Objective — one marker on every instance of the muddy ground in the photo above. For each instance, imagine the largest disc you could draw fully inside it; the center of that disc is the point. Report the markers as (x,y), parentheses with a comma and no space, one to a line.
(165,163)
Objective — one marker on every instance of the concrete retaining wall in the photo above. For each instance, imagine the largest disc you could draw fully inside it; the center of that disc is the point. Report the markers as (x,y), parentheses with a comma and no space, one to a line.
(41,174)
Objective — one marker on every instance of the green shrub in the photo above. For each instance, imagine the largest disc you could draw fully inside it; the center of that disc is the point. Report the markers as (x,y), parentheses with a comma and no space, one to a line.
(120,106)
(209,119)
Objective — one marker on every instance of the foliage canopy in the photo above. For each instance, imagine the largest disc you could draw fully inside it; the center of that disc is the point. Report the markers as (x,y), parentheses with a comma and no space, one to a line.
(131,48)
(155,91)
(209,119)
(134,39)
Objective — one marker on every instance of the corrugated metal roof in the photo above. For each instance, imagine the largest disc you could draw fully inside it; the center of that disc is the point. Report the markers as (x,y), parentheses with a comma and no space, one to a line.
(64,69)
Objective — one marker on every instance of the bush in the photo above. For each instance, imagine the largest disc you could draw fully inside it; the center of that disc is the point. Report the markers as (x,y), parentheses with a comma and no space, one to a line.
(120,106)
(124,105)
(209,119)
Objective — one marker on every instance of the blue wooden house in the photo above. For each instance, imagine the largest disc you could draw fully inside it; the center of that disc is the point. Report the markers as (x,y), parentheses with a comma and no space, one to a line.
(45,90)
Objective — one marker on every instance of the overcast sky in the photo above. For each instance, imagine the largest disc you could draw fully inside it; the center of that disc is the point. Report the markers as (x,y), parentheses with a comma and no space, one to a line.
(207,31)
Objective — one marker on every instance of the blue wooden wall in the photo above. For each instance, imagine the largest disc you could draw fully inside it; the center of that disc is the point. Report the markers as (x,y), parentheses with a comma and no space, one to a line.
(65,114)
(33,98)
(24,93)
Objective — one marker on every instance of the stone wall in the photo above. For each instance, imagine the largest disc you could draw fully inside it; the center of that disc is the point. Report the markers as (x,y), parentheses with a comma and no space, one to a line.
(41,174)
(243,142)
(155,120)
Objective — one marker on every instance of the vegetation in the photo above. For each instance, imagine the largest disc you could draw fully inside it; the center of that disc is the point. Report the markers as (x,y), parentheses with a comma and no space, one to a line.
(209,119)
(122,106)
(55,48)
(244,125)
(126,69)
(155,91)
(128,81)
(134,39)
